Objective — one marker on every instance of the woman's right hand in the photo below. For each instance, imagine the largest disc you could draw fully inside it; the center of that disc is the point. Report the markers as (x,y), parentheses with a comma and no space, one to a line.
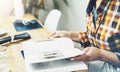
(73,35)
(58,34)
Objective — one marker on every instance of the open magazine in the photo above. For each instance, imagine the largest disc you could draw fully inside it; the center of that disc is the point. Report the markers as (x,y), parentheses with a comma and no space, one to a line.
(50,55)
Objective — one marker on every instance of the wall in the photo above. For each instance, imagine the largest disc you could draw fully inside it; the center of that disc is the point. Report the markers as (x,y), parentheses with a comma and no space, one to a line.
(73,16)
(73,13)
(6,8)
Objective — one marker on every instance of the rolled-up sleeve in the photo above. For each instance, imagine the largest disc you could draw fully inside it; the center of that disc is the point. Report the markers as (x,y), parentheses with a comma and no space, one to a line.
(114,43)
(84,39)
(118,55)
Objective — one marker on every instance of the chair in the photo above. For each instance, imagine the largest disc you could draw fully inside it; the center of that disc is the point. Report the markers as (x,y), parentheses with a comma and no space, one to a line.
(52,20)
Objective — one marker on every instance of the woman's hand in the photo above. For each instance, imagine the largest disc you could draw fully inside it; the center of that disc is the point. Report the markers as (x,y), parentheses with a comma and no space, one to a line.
(73,35)
(91,53)
(58,34)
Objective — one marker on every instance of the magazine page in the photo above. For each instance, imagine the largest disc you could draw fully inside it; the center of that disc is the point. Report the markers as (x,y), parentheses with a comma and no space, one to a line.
(52,55)
(49,50)
(64,65)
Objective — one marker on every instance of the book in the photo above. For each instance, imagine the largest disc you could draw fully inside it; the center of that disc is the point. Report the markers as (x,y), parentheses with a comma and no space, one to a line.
(21,25)
(52,55)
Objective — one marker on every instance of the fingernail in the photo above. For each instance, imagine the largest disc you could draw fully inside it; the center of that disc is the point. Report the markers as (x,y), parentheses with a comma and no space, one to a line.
(71,59)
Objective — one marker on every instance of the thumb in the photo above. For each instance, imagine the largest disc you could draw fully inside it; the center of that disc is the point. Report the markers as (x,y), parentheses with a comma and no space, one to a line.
(86,49)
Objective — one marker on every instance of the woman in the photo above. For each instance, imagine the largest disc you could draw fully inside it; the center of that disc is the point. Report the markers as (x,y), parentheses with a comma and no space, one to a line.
(102,39)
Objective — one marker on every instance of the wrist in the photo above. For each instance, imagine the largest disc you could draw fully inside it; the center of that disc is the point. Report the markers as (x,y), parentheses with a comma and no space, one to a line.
(102,55)
(74,36)
(108,57)
(68,34)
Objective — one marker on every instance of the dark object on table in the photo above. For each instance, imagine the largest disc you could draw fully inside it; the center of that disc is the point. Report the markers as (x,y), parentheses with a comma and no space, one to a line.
(23,36)
(21,25)
(22,52)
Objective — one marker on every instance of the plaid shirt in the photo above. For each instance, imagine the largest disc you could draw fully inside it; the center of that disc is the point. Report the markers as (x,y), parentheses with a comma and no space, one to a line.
(106,33)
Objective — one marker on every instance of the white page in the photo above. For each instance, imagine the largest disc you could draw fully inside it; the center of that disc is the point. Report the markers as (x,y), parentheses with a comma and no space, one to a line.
(38,51)
(64,47)
(56,66)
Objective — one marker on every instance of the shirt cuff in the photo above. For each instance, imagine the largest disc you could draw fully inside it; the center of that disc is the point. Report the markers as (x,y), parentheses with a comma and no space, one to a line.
(118,55)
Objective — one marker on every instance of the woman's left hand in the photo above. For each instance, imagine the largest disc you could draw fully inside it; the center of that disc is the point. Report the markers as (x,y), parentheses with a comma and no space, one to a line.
(91,53)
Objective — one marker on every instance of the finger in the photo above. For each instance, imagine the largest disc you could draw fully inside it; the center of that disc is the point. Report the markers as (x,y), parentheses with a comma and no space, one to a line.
(52,35)
(86,49)
(80,58)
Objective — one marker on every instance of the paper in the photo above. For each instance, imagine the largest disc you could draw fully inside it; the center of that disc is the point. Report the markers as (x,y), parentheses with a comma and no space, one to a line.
(2,32)
(56,66)
(53,53)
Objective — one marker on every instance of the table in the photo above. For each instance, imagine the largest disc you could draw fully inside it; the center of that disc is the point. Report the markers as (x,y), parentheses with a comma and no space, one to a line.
(16,61)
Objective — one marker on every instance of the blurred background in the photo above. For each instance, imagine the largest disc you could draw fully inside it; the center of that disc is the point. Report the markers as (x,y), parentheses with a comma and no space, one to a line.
(73,11)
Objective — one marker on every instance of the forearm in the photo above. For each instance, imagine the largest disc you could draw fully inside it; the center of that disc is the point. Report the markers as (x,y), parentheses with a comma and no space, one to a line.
(75,36)
(109,57)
